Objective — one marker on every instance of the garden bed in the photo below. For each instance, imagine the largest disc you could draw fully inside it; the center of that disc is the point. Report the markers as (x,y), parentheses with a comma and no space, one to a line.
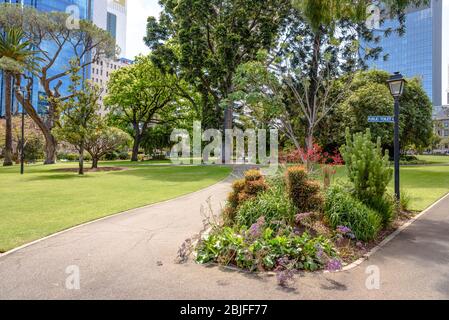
(291,222)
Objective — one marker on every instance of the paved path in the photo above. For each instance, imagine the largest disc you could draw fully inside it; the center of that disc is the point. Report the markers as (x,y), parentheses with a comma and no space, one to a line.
(131,256)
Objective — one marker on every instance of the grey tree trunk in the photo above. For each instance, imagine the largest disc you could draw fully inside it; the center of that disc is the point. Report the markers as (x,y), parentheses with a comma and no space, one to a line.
(81,160)
(8,117)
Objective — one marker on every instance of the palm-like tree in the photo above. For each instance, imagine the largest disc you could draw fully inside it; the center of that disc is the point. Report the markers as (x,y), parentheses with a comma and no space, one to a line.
(15,56)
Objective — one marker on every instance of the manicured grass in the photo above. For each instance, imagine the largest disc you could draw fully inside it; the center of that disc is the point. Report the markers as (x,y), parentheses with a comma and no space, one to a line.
(434,159)
(45,201)
(424,184)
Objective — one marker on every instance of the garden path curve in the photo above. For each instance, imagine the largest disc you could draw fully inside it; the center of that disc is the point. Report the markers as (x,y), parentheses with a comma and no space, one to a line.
(131,256)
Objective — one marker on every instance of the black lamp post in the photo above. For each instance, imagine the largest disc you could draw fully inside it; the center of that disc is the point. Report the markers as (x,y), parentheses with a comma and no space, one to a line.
(396,84)
(22,143)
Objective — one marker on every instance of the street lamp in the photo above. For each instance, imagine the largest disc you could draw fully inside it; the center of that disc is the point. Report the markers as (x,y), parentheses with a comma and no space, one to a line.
(396,84)
(22,144)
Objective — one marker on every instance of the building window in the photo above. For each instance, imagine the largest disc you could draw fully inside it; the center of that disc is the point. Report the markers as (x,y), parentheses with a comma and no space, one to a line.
(112,25)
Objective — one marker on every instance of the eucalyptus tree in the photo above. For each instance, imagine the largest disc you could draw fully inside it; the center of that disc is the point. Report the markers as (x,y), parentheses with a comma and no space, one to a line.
(43,30)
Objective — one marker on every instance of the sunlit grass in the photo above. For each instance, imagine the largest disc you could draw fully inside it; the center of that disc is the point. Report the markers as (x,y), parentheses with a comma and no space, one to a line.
(45,200)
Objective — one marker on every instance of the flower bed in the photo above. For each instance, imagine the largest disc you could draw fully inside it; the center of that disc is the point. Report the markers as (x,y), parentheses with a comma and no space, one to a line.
(290,222)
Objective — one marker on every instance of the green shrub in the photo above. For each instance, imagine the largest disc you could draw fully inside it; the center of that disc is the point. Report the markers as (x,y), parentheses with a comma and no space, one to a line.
(368,170)
(273,204)
(385,207)
(34,149)
(124,156)
(405,201)
(111,156)
(228,246)
(243,190)
(342,209)
(72,157)
(304,192)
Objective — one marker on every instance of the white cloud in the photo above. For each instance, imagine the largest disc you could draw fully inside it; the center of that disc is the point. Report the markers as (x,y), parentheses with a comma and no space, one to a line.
(138,12)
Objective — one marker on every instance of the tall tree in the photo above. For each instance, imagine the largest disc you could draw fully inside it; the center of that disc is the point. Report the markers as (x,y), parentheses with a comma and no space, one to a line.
(15,56)
(44,30)
(215,37)
(138,96)
(80,114)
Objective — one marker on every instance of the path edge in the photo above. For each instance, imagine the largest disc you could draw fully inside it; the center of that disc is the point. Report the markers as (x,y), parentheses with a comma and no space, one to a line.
(402,228)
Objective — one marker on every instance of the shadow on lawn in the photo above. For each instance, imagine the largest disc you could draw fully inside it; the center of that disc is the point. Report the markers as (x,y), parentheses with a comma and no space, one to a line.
(175,173)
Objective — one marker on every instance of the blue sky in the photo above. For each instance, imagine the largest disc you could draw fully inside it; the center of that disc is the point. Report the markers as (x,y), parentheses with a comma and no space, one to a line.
(138,12)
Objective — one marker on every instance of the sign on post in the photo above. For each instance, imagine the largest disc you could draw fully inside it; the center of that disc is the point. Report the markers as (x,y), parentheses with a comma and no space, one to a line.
(380,119)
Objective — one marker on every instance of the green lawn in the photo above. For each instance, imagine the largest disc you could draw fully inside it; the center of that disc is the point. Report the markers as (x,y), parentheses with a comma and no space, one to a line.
(434,159)
(45,201)
(424,184)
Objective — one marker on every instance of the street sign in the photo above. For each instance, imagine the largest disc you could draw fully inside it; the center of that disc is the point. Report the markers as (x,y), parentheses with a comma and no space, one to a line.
(380,119)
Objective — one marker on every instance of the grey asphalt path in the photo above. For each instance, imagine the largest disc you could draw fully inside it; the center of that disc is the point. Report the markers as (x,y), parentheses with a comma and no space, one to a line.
(131,256)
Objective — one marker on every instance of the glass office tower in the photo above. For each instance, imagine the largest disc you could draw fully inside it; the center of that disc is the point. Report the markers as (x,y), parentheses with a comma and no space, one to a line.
(423,51)
(85,9)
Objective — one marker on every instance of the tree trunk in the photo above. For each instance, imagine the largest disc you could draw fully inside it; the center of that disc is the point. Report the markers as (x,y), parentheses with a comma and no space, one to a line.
(8,117)
(312,94)
(94,163)
(135,155)
(81,160)
(50,140)
(50,147)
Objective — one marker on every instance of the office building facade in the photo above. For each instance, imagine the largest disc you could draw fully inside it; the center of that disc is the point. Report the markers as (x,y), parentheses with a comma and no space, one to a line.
(85,10)
(109,15)
(423,51)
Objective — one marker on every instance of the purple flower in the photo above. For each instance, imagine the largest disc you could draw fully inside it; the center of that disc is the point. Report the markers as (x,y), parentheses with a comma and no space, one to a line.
(283,262)
(256,229)
(350,235)
(343,230)
(334,265)
(320,251)
(360,245)
(297,231)
(284,277)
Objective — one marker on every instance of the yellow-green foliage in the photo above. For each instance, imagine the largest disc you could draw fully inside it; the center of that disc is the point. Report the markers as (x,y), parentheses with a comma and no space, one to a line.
(244,190)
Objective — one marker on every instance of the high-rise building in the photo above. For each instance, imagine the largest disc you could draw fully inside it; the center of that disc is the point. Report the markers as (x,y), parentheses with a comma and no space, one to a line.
(423,51)
(110,15)
(85,11)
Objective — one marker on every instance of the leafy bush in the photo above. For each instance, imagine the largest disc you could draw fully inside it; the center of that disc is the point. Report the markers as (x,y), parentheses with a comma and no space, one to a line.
(274,204)
(385,207)
(124,156)
(369,171)
(264,251)
(34,149)
(304,193)
(342,209)
(111,156)
(243,190)
(405,201)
